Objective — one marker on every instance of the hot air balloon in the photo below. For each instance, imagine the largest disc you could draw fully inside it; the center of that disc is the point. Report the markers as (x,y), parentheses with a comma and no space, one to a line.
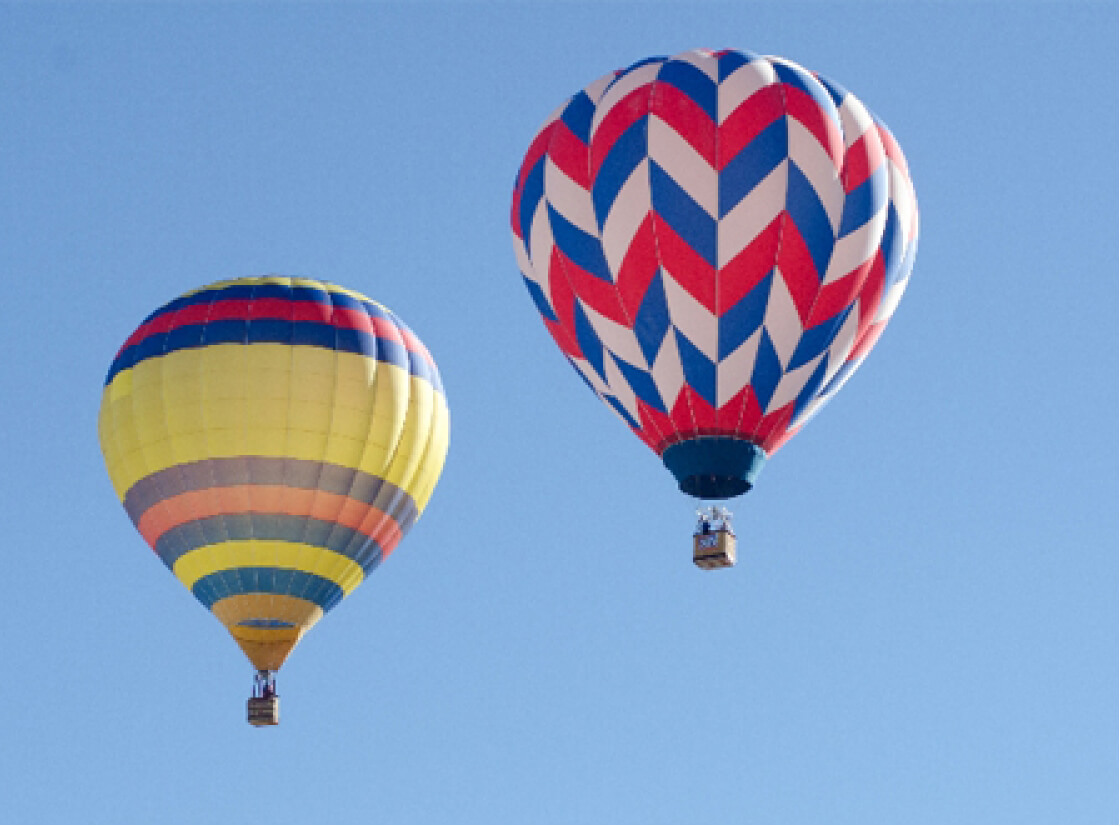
(273,439)
(715,241)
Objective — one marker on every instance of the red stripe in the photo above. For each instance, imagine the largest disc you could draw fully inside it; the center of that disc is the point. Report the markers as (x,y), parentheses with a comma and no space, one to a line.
(747,122)
(801,106)
(638,268)
(570,155)
(863,157)
(798,270)
(743,273)
(283,310)
(684,266)
(682,114)
(600,295)
(624,114)
(236,499)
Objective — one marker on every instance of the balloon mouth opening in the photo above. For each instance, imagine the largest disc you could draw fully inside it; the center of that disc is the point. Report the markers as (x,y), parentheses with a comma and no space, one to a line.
(714,467)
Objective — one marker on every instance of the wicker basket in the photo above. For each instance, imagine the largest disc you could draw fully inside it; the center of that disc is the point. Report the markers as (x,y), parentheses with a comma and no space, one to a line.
(715,549)
(264,711)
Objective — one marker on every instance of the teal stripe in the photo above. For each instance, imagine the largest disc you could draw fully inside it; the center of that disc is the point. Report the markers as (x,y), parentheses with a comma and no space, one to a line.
(350,543)
(277,581)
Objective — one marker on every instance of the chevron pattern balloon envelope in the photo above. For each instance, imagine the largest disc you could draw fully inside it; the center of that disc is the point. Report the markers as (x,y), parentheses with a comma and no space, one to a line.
(715,241)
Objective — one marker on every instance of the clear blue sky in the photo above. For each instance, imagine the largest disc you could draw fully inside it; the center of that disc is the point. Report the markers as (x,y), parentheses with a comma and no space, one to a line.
(923,623)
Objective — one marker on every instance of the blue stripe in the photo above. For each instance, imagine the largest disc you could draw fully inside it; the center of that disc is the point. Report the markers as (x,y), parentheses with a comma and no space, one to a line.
(540,300)
(531,195)
(652,320)
(577,116)
(801,79)
(815,340)
(631,148)
(753,163)
(687,218)
(693,82)
(835,90)
(863,202)
(699,370)
(271,331)
(623,412)
(739,322)
(273,527)
(641,382)
(589,343)
(281,581)
(767,371)
(584,250)
(809,391)
(811,220)
(731,61)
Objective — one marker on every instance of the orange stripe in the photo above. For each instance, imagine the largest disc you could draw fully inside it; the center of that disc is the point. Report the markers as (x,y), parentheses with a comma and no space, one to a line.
(330,507)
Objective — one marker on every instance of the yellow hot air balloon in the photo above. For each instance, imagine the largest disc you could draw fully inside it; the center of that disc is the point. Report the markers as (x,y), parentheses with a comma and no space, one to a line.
(273,439)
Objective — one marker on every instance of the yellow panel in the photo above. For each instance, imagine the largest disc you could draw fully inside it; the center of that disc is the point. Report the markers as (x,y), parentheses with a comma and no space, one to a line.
(345,452)
(351,423)
(223,414)
(241,553)
(434,457)
(357,369)
(266,413)
(313,416)
(223,371)
(159,454)
(418,425)
(226,441)
(310,387)
(312,361)
(155,415)
(121,385)
(188,447)
(233,610)
(271,441)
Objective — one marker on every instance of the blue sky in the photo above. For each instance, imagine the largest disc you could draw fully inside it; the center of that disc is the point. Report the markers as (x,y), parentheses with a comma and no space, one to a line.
(923,623)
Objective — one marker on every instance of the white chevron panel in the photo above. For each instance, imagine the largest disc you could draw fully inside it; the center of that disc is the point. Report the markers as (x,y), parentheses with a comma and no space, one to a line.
(856,247)
(540,245)
(855,120)
(626,84)
(842,344)
(620,388)
(691,317)
(702,59)
(619,339)
(734,372)
(816,164)
(741,84)
(752,214)
(782,322)
(568,198)
(684,165)
(629,209)
(667,373)
(791,384)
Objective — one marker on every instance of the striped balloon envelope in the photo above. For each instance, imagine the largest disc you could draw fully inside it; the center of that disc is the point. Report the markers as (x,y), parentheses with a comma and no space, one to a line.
(715,241)
(273,439)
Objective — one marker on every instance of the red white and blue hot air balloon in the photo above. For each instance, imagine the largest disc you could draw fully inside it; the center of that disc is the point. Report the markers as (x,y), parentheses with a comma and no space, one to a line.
(715,241)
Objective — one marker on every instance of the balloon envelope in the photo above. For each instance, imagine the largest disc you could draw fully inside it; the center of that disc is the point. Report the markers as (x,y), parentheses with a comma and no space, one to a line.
(273,439)
(715,241)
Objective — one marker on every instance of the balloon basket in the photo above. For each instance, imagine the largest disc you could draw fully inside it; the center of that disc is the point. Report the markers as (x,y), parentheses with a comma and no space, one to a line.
(264,711)
(714,550)
(713,541)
